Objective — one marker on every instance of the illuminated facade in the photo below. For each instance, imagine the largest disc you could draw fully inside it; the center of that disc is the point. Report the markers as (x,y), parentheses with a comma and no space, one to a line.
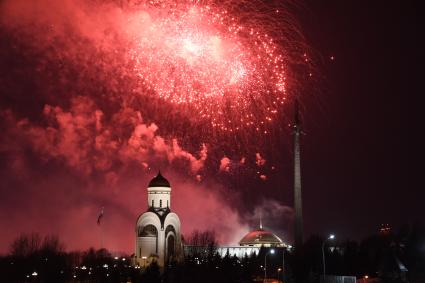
(158,232)
(250,244)
(261,237)
(158,236)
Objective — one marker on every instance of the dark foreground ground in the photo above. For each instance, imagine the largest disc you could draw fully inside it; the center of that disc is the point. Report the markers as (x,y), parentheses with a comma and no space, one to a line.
(384,257)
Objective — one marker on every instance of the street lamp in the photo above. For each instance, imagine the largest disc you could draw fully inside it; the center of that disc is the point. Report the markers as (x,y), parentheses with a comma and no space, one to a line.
(279,270)
(265,264)
(283,263)
(331,237)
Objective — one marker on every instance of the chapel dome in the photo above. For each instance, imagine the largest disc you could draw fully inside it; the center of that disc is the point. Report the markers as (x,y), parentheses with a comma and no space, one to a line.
(260,237)
(159,181)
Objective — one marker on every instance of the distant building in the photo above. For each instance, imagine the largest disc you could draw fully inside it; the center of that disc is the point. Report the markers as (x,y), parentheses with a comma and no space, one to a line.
(158,236)
(261,237)
(158,232)
(385,229)
(250,244)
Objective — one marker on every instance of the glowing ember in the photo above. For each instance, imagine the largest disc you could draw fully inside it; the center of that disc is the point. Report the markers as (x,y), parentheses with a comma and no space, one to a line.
(202,57)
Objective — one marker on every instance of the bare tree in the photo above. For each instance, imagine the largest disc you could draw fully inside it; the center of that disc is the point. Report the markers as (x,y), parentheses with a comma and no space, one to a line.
(52,245)
(25,245)
(202,238)
(203,243)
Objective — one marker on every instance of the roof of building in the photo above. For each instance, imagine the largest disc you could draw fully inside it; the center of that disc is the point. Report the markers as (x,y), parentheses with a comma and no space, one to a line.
(159,181)
(260,237)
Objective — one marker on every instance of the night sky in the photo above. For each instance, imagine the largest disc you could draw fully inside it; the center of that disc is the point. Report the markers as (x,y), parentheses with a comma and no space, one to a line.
(74,139)
(365,141)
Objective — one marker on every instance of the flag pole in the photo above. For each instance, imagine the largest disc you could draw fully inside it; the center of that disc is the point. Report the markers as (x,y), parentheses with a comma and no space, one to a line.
(101,237)
(99,218)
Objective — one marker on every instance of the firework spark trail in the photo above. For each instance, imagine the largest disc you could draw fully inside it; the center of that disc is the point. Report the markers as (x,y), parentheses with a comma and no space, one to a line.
(136,86)
(228,67)
(222,69)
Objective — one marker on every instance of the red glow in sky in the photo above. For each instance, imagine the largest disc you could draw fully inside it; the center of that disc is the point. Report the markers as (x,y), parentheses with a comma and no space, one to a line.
(205,58)
(103,95)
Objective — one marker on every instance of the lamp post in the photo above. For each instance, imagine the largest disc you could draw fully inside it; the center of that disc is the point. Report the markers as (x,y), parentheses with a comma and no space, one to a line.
(279,270)
(283,263)
(265,264)
(331,237)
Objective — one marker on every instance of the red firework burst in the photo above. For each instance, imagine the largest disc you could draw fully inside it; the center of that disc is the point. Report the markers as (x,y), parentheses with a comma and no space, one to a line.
(224,63)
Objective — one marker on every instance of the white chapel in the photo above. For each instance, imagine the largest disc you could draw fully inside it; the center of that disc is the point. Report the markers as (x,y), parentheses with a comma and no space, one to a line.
(158,235)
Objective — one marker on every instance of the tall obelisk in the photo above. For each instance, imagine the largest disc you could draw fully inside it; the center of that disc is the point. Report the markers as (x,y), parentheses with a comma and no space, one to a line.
(298,231)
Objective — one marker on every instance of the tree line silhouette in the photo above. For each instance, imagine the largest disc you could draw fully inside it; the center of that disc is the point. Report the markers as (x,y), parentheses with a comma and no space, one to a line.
(379,258)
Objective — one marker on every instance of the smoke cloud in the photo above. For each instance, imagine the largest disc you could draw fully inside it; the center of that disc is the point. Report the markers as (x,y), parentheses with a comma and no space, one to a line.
(87,161)
(270,212)
(76,136)
(225,164)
